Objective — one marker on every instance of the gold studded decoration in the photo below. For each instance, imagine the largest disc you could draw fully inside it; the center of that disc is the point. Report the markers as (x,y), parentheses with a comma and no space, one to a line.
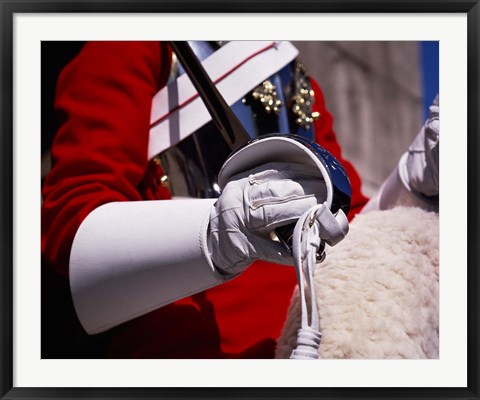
(267,94)
(303,98)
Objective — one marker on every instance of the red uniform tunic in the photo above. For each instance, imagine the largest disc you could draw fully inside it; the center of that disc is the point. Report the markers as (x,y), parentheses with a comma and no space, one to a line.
(100,155)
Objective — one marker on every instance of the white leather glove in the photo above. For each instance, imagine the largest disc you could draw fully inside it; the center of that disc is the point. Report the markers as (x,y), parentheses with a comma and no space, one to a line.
(255,203)
(418,167)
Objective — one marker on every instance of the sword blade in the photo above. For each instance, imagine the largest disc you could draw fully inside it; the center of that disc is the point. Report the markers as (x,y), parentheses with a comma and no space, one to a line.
(222,115)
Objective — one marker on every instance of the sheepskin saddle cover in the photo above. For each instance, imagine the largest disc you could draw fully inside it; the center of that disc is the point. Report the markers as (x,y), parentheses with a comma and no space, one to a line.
(377,290)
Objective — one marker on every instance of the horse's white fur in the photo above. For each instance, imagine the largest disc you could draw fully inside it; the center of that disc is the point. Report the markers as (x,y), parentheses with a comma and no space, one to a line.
(377,290)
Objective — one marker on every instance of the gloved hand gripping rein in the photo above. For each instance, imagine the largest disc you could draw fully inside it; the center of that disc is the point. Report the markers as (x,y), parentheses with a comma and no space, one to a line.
(324,194)
(129,258)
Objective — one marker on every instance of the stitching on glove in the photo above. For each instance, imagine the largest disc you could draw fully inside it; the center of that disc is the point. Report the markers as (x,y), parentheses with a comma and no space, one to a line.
(256,204)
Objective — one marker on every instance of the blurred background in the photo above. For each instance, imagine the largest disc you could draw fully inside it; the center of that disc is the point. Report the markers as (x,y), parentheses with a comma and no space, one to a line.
(377,91)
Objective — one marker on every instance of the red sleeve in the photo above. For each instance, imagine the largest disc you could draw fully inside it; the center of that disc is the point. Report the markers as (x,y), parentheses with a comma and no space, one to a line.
(326,138)
(99,154)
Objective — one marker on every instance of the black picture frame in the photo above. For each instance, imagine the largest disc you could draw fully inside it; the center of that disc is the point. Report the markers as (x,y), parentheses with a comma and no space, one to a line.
(10,8)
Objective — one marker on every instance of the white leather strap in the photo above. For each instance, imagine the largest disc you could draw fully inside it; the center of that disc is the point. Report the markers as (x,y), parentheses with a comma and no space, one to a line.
(317,224)
(235,68)
(129,258)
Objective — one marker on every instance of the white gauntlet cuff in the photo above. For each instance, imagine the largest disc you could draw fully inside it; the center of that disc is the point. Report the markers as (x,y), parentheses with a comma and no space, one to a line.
(129,258)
